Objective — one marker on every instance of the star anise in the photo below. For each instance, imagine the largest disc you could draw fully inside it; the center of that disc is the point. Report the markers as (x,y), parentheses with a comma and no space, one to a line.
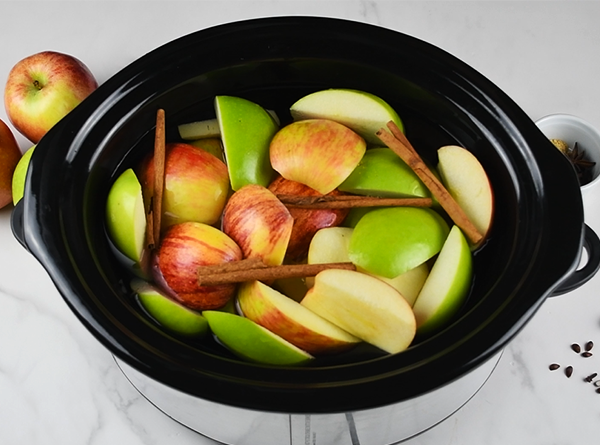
(578,157)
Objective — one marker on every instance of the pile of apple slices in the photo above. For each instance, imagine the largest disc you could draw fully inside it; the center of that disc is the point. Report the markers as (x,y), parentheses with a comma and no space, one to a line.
(293,242)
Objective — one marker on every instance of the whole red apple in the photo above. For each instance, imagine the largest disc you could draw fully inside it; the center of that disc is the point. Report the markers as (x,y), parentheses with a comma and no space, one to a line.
(259,223)
(196,185)
(42,88)
(183,249)
(10,153)
(306,221)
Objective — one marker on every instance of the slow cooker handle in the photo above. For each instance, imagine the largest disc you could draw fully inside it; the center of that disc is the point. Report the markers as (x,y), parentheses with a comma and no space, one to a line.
(16,223)
(591,243)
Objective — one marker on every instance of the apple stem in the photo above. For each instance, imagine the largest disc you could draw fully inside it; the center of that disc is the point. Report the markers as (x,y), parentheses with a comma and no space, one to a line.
(397,141)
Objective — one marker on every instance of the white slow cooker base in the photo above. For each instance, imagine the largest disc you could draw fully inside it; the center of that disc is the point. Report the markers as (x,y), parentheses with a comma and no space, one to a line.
(376,426)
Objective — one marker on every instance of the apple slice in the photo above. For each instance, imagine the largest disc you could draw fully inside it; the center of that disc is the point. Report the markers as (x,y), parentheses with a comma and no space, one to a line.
(246,131)
(259,223)
(168,313)
(363,306)
(391,241)
(251,342)
(330,245)
(192,131)
(363,112)
(382,173)
(214,146)
(292,321)
(125,215)
(19,175)
(468,183)
(319,153)
(446,286)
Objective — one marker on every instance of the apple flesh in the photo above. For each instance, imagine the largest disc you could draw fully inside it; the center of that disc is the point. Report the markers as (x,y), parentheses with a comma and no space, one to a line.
(251,342)
(363,306)
(319,153)
(292,321)
(43,88)
(259,223)
(468,183)
(306,221)
(382,173)
(168,313)
(447,285)
(196,185)
(183,249)
(10,155)
(363,112)
(191,131)
(391,241)
(331,245)
(246,131)
(125,215)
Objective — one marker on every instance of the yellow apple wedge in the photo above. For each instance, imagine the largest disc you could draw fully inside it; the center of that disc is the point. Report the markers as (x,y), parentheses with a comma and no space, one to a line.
(364,112)
(251,342)
(446,286)
(292,321)
(468,183)
(364,306)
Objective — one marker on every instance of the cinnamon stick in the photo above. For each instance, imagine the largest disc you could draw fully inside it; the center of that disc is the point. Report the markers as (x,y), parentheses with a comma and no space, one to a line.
(349,201)
(397,141)
(266,273)
(159,174)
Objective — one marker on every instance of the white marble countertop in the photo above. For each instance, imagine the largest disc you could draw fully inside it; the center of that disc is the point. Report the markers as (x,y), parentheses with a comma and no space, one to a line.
(58,385)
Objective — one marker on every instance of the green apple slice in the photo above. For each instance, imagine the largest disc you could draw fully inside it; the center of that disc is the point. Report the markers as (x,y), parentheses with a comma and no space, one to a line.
(446,286)
(363,112)
(125,215)
(382,173)
(246,132)
(391,241)
(251,342)
(211,145)
(191,131)
(364,306)
(168,313)
(19,175)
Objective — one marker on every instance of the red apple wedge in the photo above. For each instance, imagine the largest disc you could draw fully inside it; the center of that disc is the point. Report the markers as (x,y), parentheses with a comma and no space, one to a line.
(319,153)
(468,183)
(306,221)
(292,321)
(364,306)
(259,223)
(183,249)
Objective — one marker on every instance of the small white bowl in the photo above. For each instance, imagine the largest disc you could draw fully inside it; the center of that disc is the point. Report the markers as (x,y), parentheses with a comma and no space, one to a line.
(573,129)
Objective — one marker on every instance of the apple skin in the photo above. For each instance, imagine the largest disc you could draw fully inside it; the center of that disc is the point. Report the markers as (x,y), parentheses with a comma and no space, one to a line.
(20,174)
(259,223)
(251,342)
(467,181)
(390,241)
(10,154)
(364,306)
(43,88)
(125,215)
(292,321)
(447,285)
(319,153)
(183,249)
(196,185)
(306,221)
(364,112)
(168,313)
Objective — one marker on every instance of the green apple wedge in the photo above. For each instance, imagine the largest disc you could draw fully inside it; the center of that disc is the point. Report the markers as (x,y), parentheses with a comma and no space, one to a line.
(364,306)
(330,245)
(19,175)
(246,132)
(382,173)
(125,215)
(446,286)
(390,241)
(251,342)
(168,313)
(363,112)
(212,145)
